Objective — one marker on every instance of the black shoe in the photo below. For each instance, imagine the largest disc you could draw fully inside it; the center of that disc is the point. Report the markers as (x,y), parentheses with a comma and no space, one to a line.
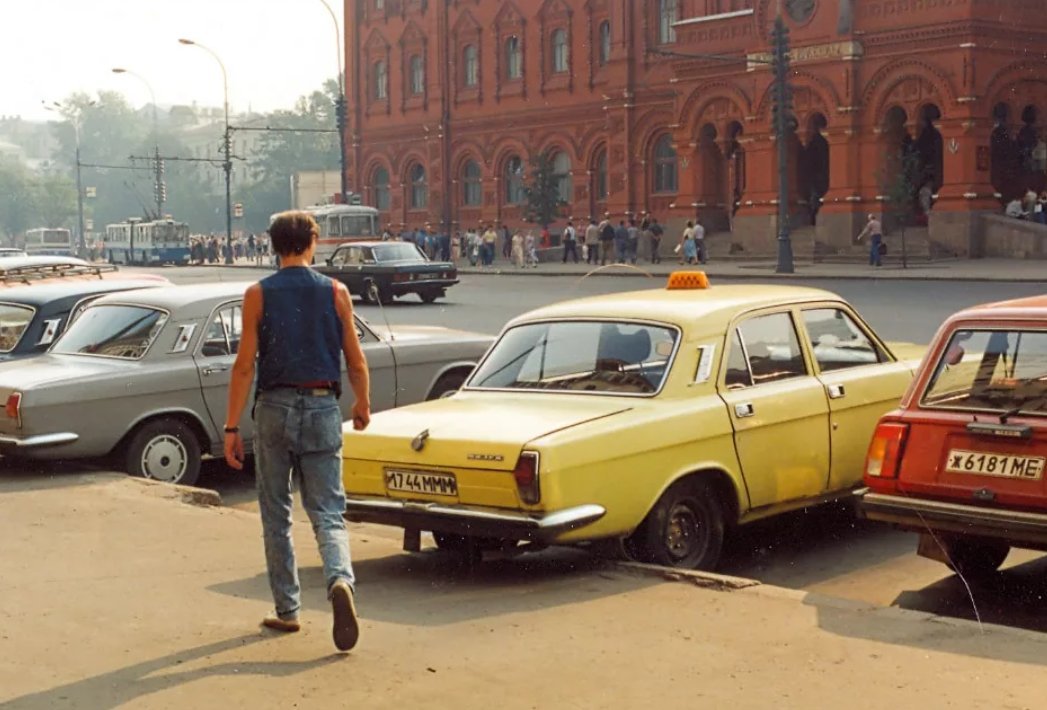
(346,630)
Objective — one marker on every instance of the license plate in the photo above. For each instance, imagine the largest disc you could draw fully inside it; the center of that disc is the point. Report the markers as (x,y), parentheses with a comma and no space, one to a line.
(425,277)
(1002,465)
(437,484)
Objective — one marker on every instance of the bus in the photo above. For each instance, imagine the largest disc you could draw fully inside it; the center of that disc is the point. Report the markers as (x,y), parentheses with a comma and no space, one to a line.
(341,223)
(51,242)
(161,242)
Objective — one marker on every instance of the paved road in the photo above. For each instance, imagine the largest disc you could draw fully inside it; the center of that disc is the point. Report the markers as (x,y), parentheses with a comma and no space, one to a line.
(823,551)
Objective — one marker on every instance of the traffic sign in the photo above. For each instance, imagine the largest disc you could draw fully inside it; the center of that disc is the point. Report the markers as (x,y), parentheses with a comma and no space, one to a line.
(238,210)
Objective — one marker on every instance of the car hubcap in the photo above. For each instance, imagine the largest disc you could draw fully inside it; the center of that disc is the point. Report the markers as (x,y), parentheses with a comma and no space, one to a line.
(372,292)
(683,532)
(164,459)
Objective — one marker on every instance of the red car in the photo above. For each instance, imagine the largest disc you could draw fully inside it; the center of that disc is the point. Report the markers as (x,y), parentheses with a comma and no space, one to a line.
(961,461)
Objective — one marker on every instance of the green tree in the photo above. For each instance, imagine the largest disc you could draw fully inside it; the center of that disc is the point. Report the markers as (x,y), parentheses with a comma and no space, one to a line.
(543,205)
(898,180)
(16,201)
(53,200)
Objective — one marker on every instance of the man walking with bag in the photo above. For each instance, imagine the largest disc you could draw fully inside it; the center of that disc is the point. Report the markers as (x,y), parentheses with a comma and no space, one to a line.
(298,424)
(570,242)
(874,230)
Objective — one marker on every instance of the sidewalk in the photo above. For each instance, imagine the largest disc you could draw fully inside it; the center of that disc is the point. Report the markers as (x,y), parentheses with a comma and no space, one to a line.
(1014,270)
(118,595)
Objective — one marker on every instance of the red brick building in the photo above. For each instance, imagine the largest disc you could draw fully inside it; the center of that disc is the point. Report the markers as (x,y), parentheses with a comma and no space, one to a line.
(450,99)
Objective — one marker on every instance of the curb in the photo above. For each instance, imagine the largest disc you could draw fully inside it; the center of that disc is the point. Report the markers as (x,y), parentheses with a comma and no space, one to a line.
(203,497)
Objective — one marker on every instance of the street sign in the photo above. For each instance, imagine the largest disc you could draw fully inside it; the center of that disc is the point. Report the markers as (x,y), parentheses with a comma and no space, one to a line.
(90,192)
(89,224)
(238,210)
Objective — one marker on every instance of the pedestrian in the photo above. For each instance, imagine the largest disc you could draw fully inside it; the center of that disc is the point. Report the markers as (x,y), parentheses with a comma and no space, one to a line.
(606,240)
(874,230)
(1040,212)
(656,232)
(621,235)
(298,424)
(507,242)
(530,250)
(570,242)
(592,242)
(632,241)
(687,249)
(699,242)
(490,240)
(517,253)
(456,247)
(472,245)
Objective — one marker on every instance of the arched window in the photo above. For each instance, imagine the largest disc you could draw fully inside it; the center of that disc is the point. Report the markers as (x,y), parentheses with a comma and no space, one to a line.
(472,192)
(381,80)
(380,185)
(561,57)
(668,14)
(417,75)
(562,175)
(513,178)
(470,66)
(600,190)
(419,187)
(513,60)
(664,165)
(605,42)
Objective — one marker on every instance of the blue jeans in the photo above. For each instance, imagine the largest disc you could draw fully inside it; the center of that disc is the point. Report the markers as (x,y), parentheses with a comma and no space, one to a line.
(300,434)
(875,259)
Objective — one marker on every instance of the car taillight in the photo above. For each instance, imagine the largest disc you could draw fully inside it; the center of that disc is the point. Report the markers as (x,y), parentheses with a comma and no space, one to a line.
(526,475)
(401,277)
(885,451)
(13,408)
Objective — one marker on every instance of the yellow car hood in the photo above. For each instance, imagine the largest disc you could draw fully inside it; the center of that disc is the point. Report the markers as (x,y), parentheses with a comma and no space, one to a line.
(472,430)
(907,351)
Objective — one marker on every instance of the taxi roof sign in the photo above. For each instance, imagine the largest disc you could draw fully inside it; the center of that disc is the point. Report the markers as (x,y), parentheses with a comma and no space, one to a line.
(688,281)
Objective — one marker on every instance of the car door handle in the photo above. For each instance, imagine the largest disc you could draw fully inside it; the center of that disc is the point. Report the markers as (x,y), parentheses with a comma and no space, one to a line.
(744,410)
(213,369)
(836,391)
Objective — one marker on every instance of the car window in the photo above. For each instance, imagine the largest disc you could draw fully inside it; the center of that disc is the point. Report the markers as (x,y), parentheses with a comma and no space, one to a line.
(367,255)
(222,336)
(399,251)
(772,348)
(998,370)
(580,356)
(340,257)
(14,320)
(737,375)
(333,230)
(112,331)
(838,342)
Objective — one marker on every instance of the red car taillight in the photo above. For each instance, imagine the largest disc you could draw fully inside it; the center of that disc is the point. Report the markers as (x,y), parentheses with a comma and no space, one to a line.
(526,475)
(13,408)
(885,451)
(402,277)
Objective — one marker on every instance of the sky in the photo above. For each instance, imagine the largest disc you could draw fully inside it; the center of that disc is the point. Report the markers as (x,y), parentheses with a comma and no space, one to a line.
(274,51)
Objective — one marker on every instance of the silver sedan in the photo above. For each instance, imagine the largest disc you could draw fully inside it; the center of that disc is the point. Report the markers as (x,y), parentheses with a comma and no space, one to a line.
(143,375)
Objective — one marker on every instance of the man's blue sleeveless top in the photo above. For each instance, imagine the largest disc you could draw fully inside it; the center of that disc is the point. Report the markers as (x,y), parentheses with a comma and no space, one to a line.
(300,339)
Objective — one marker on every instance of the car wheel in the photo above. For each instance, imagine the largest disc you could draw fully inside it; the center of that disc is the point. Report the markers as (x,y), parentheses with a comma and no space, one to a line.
(977,557)
(164,450)
(685,529)
(429,296)
(447,385)
(370,293)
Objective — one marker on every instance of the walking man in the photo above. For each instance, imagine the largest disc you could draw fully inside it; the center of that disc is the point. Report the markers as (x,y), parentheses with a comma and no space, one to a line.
(298,425)
(632,241)
(592,242)
(656,240)
(570,242)
(606,240)
(621,236)
(699,242)
(873,230)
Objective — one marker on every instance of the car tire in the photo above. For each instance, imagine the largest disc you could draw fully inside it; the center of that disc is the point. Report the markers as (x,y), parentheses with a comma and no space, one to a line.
(429,295)
(164,450)
(977,558)
(446,386)
(685,529)
(369,294)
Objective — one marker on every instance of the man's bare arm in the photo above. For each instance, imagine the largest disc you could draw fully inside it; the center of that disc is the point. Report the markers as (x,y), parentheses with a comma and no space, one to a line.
(355,361)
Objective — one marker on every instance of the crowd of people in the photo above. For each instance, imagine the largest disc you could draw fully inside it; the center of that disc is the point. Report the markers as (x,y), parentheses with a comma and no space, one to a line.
(211,249)
(598,242)
(1031,206)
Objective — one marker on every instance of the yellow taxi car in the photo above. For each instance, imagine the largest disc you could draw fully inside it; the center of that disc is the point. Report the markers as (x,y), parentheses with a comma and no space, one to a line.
(663,417)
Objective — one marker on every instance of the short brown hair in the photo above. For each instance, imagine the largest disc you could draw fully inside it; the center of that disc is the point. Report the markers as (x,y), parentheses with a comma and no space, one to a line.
(293,232)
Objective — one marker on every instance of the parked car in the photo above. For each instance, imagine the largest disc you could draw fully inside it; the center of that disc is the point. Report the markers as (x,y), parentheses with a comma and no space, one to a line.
(28,270)
(143,375)
(662,417)
(961,461)
(381,271)
(32,317)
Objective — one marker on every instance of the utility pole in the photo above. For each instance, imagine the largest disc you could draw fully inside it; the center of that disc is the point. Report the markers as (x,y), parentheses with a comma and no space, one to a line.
(81,239)
(340,106)
(160,186)
(782,92)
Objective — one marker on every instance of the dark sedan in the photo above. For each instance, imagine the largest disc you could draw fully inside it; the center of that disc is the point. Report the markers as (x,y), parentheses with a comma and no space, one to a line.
(32,317)
(381,271)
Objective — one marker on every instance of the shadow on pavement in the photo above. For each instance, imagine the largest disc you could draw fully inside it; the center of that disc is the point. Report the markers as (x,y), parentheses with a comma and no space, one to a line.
(431,588)
(124,685)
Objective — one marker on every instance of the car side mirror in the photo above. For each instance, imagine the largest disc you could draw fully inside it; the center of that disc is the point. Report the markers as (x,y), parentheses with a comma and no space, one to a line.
(954,356)
(330,262)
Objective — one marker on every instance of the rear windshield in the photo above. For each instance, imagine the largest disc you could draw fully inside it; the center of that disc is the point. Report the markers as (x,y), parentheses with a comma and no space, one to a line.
(112,331)
(402,251)
(991,370)
(581,357)
(13,322)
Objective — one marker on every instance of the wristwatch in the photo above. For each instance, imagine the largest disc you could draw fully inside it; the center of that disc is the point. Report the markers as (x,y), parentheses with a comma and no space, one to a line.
(232,430)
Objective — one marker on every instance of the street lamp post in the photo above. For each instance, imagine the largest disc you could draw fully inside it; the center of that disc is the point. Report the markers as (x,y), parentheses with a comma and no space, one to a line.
(159,188)
(227,150)
(81,240)
(782,92)
(340,107)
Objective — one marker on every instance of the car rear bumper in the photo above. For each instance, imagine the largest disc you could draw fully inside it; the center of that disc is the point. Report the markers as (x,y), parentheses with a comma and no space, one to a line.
(472,521)
(38,441)
(919,514)
(399,287)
